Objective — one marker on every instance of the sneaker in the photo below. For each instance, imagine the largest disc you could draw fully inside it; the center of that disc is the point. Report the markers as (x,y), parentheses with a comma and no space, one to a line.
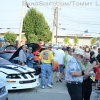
(93,92)
(42,87)
(60,80)
(49,85)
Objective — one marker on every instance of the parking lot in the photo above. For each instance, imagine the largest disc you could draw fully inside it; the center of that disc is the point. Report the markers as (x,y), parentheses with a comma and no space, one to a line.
(58,92)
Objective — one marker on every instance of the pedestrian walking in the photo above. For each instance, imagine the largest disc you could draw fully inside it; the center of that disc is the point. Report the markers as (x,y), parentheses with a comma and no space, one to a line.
(46,58)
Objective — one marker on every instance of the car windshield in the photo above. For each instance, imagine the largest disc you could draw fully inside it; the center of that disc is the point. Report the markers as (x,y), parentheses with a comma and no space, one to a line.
(4,62)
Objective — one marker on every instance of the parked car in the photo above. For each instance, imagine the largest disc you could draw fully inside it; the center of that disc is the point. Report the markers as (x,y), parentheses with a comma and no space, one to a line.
(3,91)
(18,77)
(12,55)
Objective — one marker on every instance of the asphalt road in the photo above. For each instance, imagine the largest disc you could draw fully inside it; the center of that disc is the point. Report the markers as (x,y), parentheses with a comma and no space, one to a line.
(58,92)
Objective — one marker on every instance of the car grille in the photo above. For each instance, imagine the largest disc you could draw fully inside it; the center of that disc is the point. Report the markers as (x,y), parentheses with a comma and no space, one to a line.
(2,90)
(29,81)
(24,75)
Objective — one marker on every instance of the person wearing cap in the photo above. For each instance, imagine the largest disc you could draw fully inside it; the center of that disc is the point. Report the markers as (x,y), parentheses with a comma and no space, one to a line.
(30,58)
(74,75)
(46,58)
(23,55)
(87,83)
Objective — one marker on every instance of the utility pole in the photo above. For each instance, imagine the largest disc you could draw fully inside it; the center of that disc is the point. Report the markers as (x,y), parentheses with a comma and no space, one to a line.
(21,23)
(55,23)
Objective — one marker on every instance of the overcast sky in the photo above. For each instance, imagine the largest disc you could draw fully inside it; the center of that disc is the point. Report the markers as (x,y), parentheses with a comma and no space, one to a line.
(74,15)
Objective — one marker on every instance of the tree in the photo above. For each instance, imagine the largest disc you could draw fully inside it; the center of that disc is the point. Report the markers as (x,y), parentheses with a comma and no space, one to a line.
(66,40)
(10,37)
(32,38)
(93,40)
(35,23)
(76,40)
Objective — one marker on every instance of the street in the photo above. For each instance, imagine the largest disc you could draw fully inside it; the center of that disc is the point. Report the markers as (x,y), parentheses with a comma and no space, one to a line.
(58,92)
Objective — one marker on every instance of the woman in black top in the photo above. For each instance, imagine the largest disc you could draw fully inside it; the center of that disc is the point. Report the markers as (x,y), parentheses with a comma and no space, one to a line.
(92,57)
(98,56)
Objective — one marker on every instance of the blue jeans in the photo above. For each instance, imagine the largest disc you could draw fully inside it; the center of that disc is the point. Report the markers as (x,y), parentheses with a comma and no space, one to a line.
(30,65)
(46,69)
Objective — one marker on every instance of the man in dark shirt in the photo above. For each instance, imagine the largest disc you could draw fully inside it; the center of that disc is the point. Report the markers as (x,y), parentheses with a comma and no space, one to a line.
(98,56)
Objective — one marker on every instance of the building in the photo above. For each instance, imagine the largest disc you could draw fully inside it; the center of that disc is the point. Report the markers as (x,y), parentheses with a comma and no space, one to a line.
(84,39)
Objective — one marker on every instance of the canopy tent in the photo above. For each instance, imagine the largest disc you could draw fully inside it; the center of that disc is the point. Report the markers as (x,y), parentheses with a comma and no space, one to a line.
(2,39)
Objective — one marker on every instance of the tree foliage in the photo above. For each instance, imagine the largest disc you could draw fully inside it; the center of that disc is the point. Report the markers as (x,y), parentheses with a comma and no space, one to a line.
(93,40)
(66,40)
(35,23)
(76,40)
(10,37)
(32,38)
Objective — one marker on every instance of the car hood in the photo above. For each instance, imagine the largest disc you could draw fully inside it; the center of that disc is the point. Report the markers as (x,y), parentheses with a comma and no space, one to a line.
(15,69)
(35,47)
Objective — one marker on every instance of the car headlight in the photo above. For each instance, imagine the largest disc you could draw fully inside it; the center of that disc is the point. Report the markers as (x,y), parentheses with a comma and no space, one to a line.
(13,76)
(2,90)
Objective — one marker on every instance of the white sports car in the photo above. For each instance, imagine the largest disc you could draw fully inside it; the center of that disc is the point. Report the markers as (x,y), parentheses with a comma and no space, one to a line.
(17,76)
(3,92)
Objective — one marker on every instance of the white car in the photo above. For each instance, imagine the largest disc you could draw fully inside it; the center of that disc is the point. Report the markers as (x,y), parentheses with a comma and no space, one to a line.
(17,76)
(3,92)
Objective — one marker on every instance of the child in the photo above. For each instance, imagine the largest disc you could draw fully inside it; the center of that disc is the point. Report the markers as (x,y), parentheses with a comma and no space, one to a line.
(56,65)
(96,70)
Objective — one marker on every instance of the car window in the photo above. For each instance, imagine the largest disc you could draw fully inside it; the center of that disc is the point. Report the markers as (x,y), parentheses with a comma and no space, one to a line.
(10,48)
(4,62)
(6,56)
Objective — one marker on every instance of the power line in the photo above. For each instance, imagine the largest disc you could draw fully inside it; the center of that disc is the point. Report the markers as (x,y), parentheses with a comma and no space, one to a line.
(83,8)
(72,19)
(81,17)
(9,28)
(64,17)
(76,21)
(9,20)
(74,30)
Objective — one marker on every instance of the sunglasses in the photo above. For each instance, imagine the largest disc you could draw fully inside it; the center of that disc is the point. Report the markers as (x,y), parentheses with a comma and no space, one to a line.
(87,59)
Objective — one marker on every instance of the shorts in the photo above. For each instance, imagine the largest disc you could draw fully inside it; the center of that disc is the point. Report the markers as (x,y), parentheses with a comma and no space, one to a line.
(64,67)
(61,69)
(96,81)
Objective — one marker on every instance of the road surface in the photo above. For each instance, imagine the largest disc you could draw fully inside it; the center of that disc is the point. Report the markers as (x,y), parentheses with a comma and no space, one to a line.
(58,92)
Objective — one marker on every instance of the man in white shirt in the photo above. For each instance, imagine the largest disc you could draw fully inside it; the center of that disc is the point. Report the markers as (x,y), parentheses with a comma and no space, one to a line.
(59,54)
(95,50)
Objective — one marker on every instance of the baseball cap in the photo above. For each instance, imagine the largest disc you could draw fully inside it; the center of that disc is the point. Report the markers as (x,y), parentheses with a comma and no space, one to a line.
(25,46)
(30,48)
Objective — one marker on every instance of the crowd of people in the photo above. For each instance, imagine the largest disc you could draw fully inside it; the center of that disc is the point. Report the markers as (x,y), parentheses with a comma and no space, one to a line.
(79,67)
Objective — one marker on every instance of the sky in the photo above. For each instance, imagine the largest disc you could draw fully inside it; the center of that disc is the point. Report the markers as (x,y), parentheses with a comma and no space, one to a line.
(75,16)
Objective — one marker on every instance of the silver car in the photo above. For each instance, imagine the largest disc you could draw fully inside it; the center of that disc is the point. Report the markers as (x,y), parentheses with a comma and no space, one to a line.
(3,92)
